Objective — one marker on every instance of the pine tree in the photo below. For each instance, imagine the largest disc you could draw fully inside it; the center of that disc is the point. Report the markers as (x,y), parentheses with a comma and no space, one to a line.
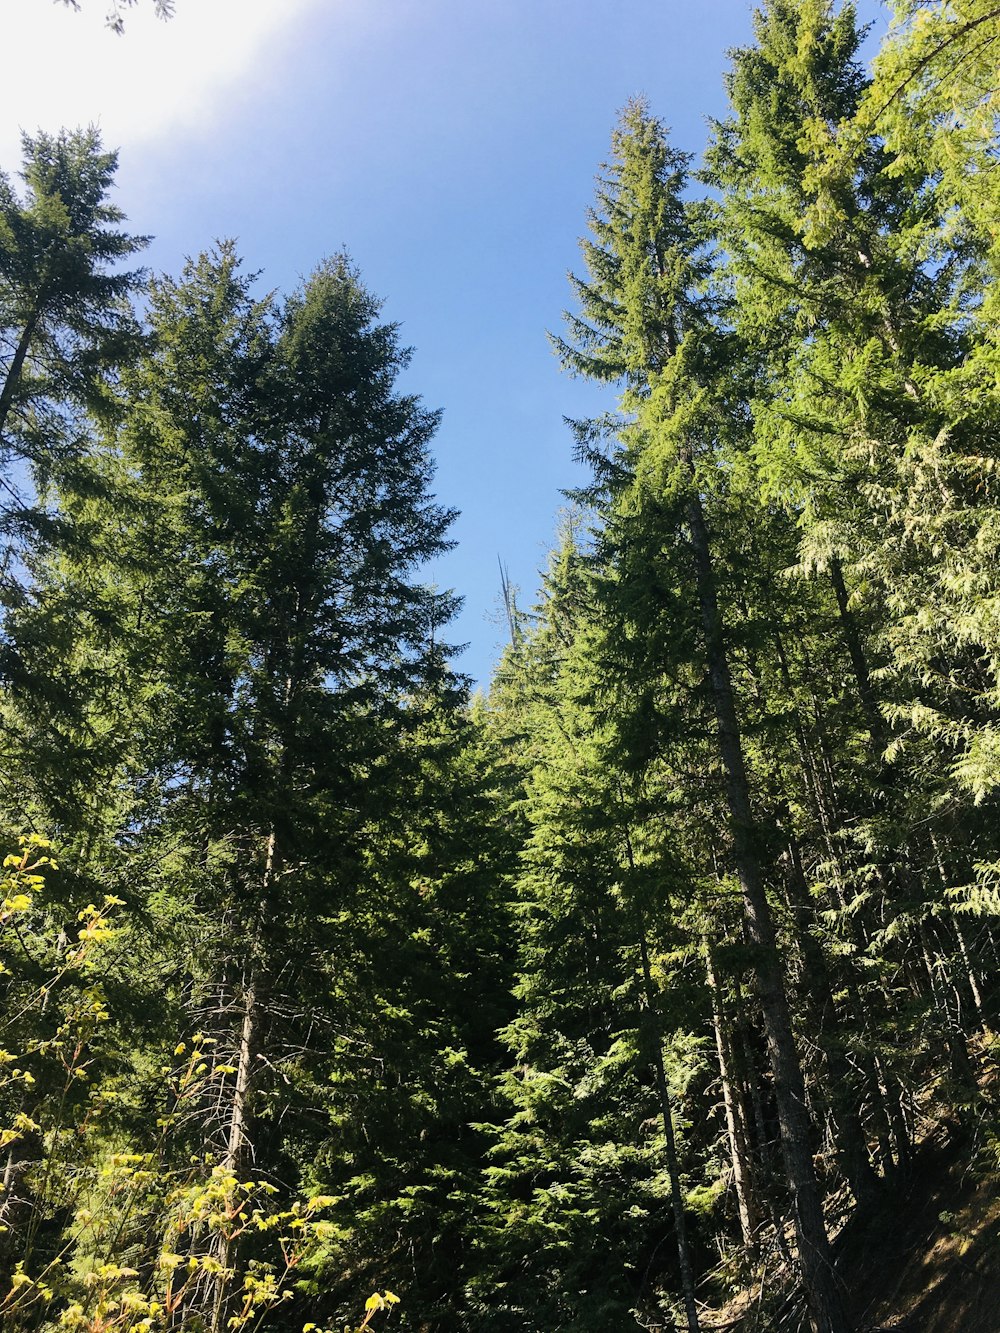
(855,288)
(655,324)
(586,1170)
(66,324)
(265,636)
(417,981)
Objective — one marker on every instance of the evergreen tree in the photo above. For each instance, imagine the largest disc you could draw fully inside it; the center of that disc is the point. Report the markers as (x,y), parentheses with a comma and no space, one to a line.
(418,983)
(855,288)
(66,324)
(585,1174)
(647,308)
(265,637)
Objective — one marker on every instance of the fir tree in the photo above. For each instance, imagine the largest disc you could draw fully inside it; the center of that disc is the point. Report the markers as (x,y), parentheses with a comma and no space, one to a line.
(66,324)
(647,274)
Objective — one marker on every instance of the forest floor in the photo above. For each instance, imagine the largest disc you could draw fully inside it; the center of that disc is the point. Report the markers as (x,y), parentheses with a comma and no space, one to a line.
(925,1260)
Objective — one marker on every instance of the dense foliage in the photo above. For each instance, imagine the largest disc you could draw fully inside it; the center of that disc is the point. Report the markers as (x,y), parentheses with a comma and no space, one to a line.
(586,1004)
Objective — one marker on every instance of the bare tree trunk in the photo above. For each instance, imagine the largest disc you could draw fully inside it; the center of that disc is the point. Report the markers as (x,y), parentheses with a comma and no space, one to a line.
(963,945)
(237,1144)
(649,1019)
(970,971)
(238,1141)
(739,1148)
(850,1143)
(17,1204)
(893,1101)
(673,1167)
(852,638)
(819,1280)
(238,1136)
(16,368)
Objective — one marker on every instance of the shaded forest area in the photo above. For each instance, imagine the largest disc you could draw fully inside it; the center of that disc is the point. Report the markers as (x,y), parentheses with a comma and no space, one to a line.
(657,987)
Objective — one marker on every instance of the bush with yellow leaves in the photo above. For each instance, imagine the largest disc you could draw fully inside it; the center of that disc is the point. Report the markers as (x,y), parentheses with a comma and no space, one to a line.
(60,1163)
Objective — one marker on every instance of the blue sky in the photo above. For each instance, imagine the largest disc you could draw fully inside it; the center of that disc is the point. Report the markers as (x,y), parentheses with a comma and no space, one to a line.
(449,145)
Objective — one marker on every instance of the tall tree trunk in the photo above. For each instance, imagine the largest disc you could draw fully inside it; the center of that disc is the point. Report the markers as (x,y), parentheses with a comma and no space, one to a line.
(851,1146)
(670,1140)
(739,1147)
(16,368)
(859,662)
(238,1142)
(819,1280)
(963,944)
(651,1036)
(17,1203)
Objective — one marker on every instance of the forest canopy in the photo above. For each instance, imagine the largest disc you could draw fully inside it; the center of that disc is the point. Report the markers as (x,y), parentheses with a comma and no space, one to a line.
(336,995)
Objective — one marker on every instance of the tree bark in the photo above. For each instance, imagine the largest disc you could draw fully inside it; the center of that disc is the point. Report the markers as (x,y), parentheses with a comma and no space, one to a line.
(649,1033)
(819,1280)
(670,1140)
(850,1141)
(739,1148)
(238,1139)
(17,1203)
(855,648)
(16,367)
